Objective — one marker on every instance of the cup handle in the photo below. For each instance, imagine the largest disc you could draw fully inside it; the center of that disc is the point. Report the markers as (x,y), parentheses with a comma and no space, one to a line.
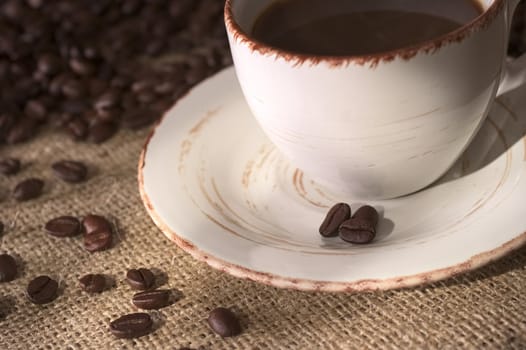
(514,74)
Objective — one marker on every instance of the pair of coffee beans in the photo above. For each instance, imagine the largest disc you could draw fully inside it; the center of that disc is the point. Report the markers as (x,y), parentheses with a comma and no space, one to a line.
(144,279)
(359,228)
(98,232)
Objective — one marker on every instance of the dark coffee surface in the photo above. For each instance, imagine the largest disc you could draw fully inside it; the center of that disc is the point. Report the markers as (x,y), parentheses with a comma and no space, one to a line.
(339,27)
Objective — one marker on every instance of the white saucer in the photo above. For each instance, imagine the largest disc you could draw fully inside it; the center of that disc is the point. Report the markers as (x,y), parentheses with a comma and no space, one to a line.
(215,185)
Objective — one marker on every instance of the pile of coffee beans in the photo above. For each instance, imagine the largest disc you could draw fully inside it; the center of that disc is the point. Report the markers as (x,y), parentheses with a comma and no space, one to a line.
(89,67)
(359,228)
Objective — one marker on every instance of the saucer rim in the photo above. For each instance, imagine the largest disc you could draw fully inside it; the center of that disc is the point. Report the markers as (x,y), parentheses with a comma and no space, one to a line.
(302,284)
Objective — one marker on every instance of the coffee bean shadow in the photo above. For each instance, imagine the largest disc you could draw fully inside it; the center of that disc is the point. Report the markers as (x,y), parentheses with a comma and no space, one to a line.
(119,234)
(175,296)
(7,306)
(20,265)
(161,278)
(110,282)
(158,318)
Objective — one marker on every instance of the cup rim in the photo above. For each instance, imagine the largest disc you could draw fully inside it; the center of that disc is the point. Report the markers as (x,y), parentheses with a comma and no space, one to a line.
(372,60)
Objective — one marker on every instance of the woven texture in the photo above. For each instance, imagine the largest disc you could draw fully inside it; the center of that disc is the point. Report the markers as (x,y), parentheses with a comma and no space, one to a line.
(484,309)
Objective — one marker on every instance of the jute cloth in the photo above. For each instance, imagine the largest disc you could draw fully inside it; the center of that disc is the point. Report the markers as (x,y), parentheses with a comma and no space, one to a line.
(485,309)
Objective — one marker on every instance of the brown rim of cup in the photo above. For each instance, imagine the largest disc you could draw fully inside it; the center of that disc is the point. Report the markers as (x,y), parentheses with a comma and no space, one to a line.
(372,60)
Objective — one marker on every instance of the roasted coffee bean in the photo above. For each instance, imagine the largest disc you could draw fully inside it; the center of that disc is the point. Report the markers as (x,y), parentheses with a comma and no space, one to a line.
(1,228)
(9,166)
(137,119)
(42,290)
(92,223)
(154,299)
(77,128)
(361,228)
(23,130)
(63,226)
(93,283)
(98,240)
(8,268)
(28,189)
(146,97)
(132,325)
(70,171)
(49,64)
(108,100)
(36,110)
(101,131)
(335,217)
(140,279)
(224,322)
(73,88)
(81,67)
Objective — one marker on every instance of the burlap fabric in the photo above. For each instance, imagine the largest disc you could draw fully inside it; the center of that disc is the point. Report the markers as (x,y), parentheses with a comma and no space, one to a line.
(484,309)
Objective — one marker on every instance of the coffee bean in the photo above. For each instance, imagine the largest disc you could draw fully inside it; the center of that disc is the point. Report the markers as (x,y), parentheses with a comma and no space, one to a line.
(140,279)
(81,67)
(77,128)
(154,299)
(137,119)
(73,88)
(49,64)
(42,290)
(9,166)
(1,228)
(101,131)
(108,100)
(361,228)
(28,189)
(35,109)
(93,283)
(132,325)
(98,240)
(335,217)
(92,223)
(224,322)
(63,226)
(70,171)
(8,268)
(22,131)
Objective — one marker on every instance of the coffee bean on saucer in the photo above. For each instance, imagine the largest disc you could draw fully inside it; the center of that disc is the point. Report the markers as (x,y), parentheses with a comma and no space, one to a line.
(92,223)
(28,189)
(70,171)
(140,279)
(9,166)
(224,322)
(42,290)
(132,325)
(154,299)
(335,217)
(63,226)
(93,283)
(98,240)
(8,268)
(361,228)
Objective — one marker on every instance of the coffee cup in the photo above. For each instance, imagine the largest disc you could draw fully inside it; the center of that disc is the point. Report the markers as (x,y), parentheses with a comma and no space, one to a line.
(380,125)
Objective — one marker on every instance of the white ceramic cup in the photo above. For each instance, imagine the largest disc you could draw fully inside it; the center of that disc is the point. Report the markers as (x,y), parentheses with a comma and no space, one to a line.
(381,125)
